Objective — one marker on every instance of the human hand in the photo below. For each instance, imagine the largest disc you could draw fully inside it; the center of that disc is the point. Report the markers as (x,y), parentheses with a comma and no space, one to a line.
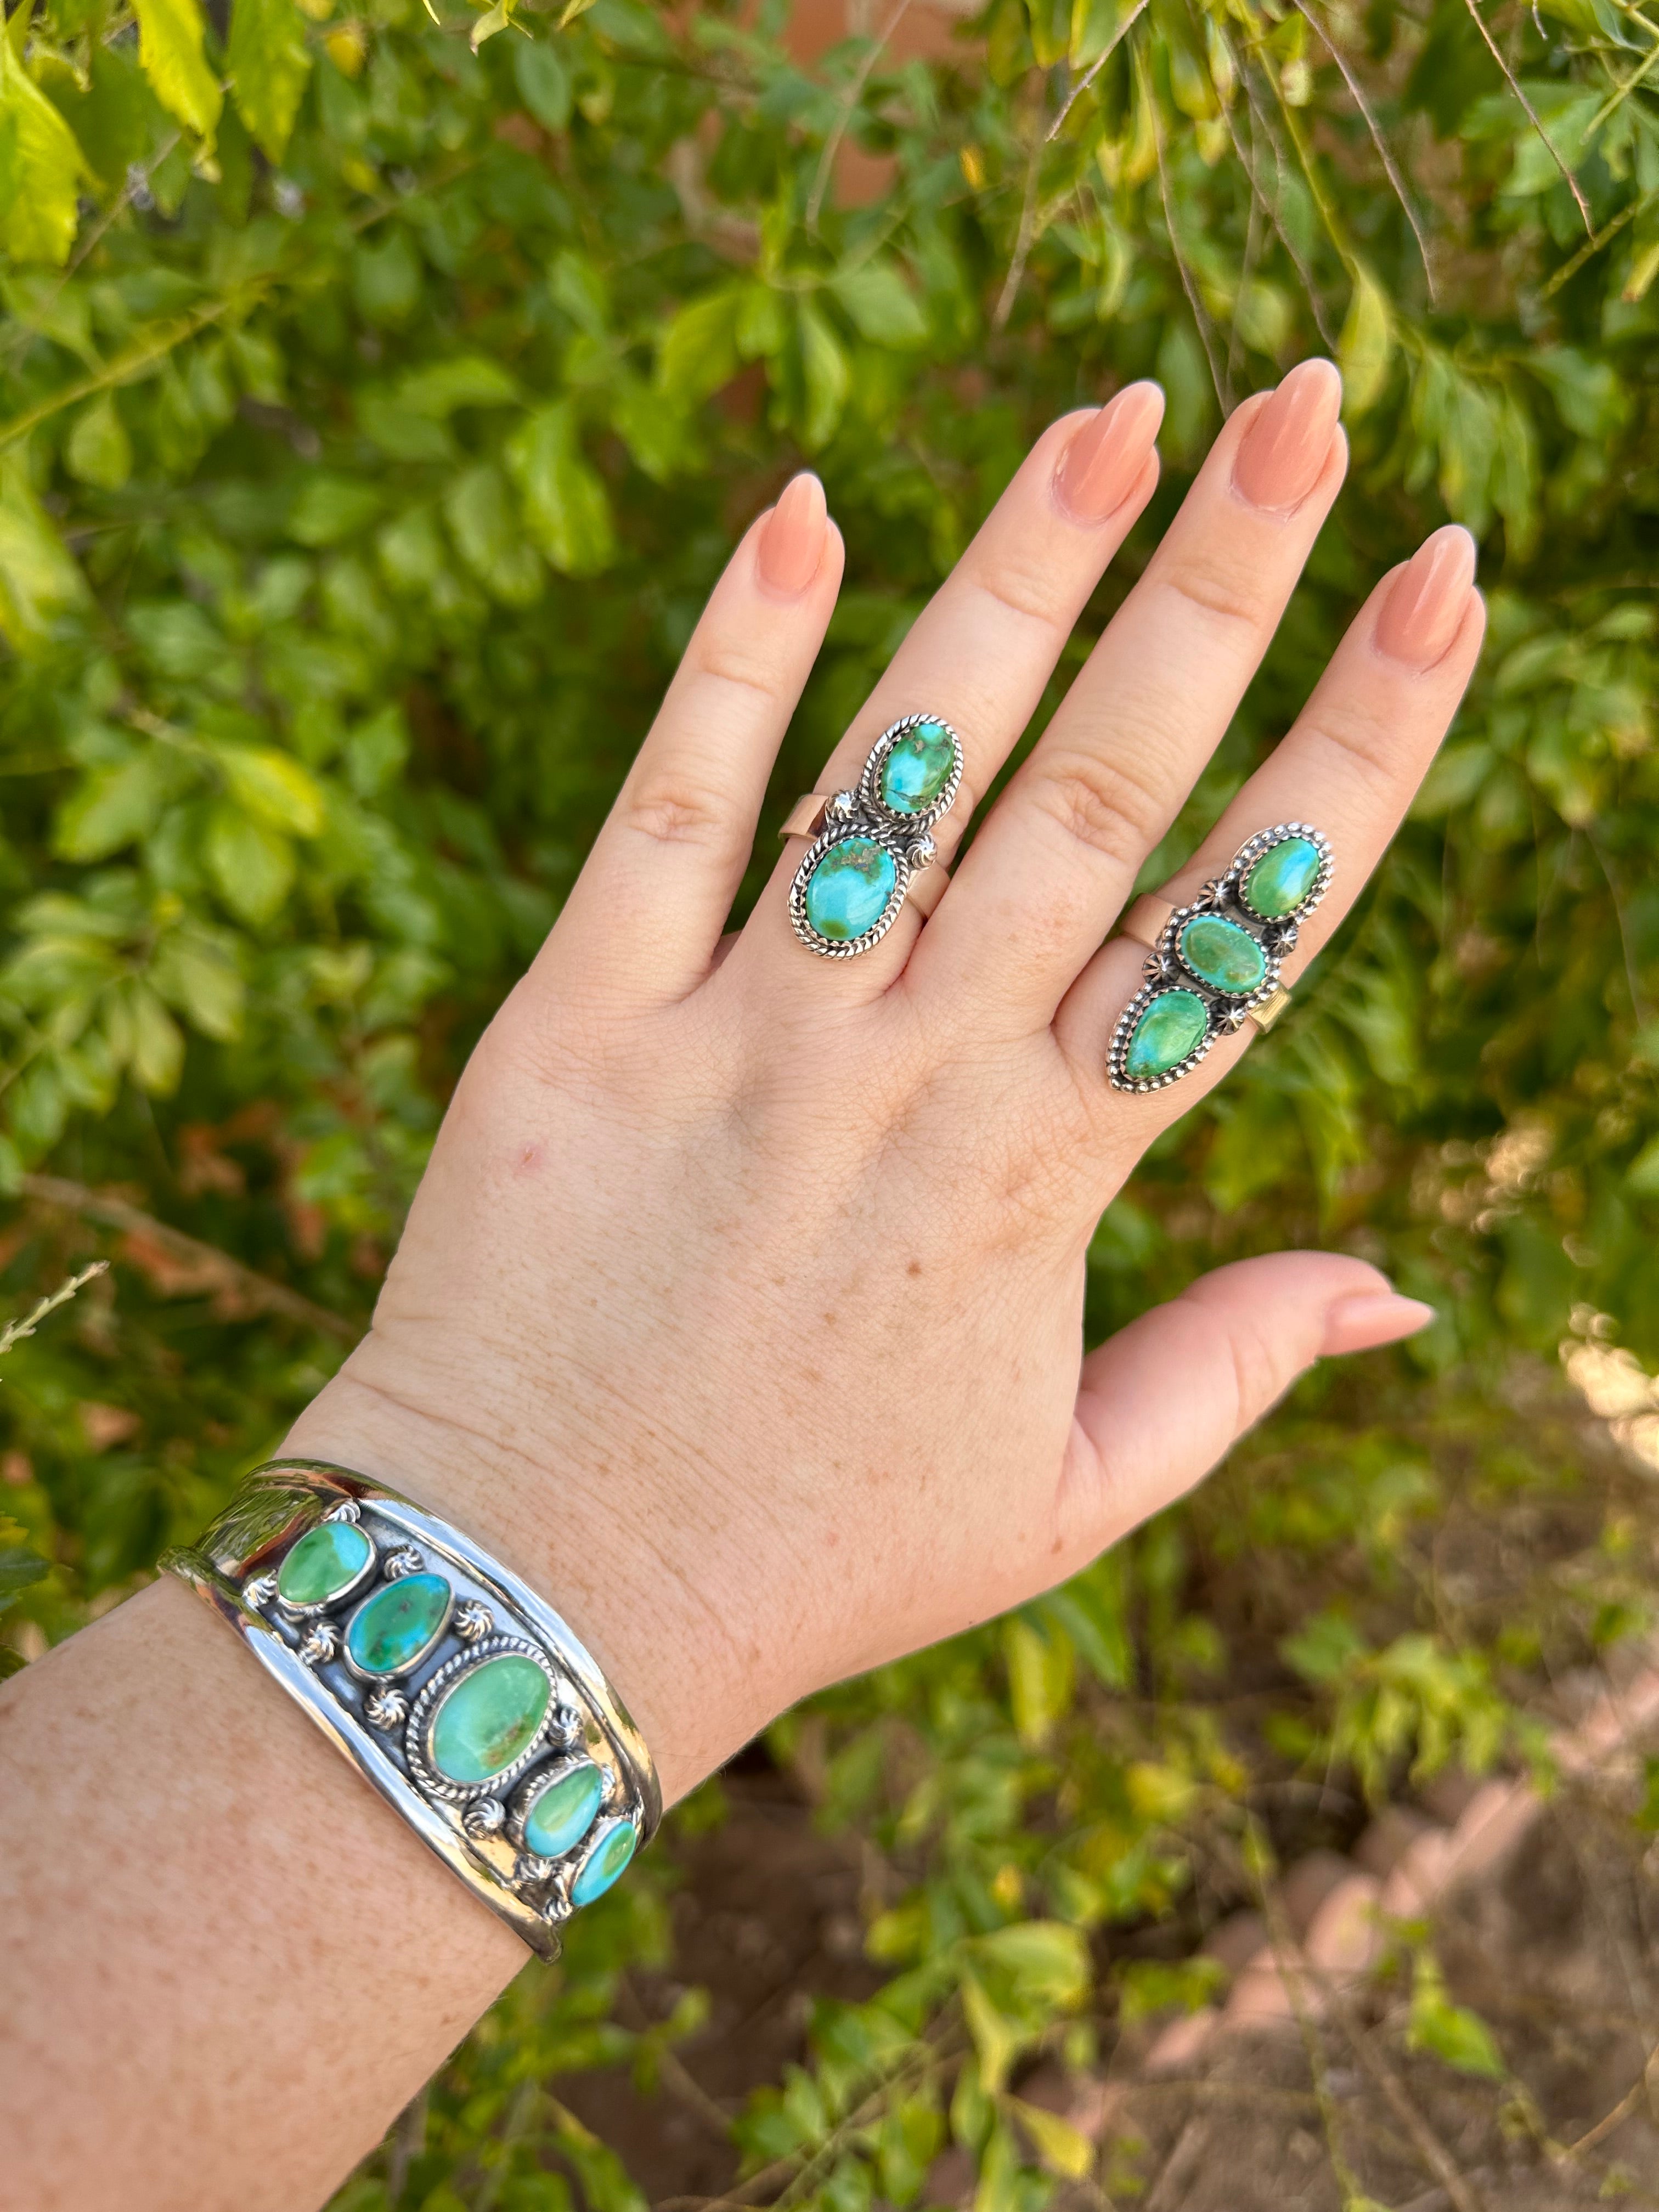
(740,1307)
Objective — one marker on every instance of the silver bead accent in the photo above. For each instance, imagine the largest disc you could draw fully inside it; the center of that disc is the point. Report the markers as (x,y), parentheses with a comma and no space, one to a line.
(558,1907)
(261,1591)
(405,1560)
(842,804)
(564,1728)
(385,1707)
(347,1510)
(485,1816)
(473,1620)
(320,1644)
(923,852)
(530,1868)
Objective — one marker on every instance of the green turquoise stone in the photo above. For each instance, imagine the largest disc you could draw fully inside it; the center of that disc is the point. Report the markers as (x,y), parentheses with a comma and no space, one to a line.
(490,1718)
(917,768)
(604,1862)
(1222,955)
(1172,1025)
(847,893)
(326,1561)
(1277,884)
(564,1812)
(393,1631)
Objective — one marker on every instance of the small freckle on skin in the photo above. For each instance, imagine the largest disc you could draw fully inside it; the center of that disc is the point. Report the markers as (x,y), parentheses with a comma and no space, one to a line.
(829,1319)
(914,1267)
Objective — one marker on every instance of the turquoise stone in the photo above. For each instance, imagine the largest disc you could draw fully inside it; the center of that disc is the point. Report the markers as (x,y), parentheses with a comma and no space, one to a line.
(917,768)
(564,1812)
(604,1862)
(490,1717)
(1222,955)
(1277,884)
(847,893)
(1172,1025)
(393,1631)
(326,1561)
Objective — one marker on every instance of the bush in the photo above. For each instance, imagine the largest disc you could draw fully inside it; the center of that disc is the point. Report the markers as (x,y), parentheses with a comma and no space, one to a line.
(379,394)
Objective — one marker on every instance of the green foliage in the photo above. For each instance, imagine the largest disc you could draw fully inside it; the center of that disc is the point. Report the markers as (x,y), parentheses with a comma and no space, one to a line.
(379,393)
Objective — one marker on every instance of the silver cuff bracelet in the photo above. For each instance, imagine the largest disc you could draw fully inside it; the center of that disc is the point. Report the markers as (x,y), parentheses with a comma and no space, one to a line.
(448,1685)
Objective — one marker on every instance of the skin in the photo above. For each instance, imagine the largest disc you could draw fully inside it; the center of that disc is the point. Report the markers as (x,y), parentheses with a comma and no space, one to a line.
(695,1199)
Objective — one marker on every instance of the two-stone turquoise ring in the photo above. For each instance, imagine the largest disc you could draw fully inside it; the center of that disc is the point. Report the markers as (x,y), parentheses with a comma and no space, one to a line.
(1214,965)
(870,843)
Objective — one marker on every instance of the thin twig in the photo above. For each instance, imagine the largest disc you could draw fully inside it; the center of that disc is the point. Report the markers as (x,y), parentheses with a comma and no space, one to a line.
(1377,140)
(854,93)
(15,1331)
(1609,231)
(1621,2112)
(1010,284)
(1533,117)
(1222,390)
(1095,68)
(1269,208)
(258,1291)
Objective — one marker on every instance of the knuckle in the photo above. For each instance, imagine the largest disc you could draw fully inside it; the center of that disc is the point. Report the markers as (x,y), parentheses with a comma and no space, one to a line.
(670,808)
(1015,589)
(1225,591)
(1101,803)
(1365,743)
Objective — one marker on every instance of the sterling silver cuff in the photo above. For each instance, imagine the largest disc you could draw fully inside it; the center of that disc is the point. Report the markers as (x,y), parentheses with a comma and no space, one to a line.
(449,1685)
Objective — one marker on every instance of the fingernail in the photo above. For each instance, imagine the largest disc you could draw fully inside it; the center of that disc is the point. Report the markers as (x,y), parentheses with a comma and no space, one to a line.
(1366,1318)
(1428,599)
(792,541)
(1106,457)
(1283,450)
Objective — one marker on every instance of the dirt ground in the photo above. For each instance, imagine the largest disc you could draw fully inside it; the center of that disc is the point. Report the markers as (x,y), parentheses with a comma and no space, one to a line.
(1556,1951)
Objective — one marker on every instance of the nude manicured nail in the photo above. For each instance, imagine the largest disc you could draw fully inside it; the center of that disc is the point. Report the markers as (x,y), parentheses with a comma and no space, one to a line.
(1107,456)
(1427,600)
(1367,1318)
(792,541)
(1285,448)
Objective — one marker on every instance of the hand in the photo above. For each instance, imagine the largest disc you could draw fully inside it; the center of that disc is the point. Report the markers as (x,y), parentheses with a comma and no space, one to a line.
(740,1307)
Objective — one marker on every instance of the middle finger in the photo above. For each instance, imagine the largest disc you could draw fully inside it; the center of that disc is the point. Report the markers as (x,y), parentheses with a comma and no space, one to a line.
(1045,878)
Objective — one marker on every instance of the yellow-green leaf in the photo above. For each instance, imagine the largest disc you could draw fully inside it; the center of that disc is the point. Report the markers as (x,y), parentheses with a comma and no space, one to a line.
(1366,346)
(99,451)
(268,65)
(38,580)
(170,36)
(1063,2148)
(566,507)
(251,866)
(274,785)
(41,167)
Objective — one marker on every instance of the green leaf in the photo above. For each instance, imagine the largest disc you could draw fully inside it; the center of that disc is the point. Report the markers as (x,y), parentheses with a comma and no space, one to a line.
(1450,2030)
(198,976)
(542,83)
(1063,2148)
(143,1037)
(1041,1675)
(269,65)
(41,167)
(99,451)
(479,511)
(565,505)
(468,380)
(698,351)
(272,785)
(1366,347)
(39,581)
(331,507)
(827,374)
(882,305)
(112,807)
(170,41)
(251,864)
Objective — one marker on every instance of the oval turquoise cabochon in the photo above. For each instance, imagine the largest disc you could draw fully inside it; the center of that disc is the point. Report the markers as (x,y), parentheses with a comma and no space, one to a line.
(848,892)
(1222,955)
(1277,884)
(917,768)
(1171,1026)
(490,1717)
(609,1856)
(564,1812)
(393,1630)
(325,1562)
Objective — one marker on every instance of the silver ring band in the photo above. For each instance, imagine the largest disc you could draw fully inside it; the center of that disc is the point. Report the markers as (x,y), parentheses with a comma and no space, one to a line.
(532,1784)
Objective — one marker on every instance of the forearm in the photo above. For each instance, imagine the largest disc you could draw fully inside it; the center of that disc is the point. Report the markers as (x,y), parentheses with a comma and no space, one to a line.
(227,1964)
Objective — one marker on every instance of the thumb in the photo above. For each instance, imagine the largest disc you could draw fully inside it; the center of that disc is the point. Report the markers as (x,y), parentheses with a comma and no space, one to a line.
(1163,1400)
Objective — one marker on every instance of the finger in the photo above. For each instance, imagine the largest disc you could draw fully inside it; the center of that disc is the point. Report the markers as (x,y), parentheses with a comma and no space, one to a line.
(1166,1398)
(1350,765)
(649,906)
(1053,863)
(981,651)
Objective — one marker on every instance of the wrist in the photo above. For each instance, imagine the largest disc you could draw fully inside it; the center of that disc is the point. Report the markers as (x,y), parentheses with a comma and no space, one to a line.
(641,1600)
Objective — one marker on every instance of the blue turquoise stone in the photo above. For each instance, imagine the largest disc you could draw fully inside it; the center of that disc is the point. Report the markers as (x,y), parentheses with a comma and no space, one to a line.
(393,1631)
(564,1812)
(605,1861)
(1172,1025)
(1277,884)
(1222,955)
(848,892)
(917,768)
(326,1561)
(490,1717)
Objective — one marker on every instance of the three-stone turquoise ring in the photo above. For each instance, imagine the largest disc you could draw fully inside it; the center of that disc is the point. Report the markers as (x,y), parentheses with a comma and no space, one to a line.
(870,843)
(452,1687)
(1215,964)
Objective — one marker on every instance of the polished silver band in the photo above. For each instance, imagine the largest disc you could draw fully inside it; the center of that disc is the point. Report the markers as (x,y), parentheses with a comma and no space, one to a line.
(536,1820)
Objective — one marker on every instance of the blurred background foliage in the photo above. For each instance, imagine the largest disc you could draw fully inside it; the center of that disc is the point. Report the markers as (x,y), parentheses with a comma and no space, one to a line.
(382,388)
